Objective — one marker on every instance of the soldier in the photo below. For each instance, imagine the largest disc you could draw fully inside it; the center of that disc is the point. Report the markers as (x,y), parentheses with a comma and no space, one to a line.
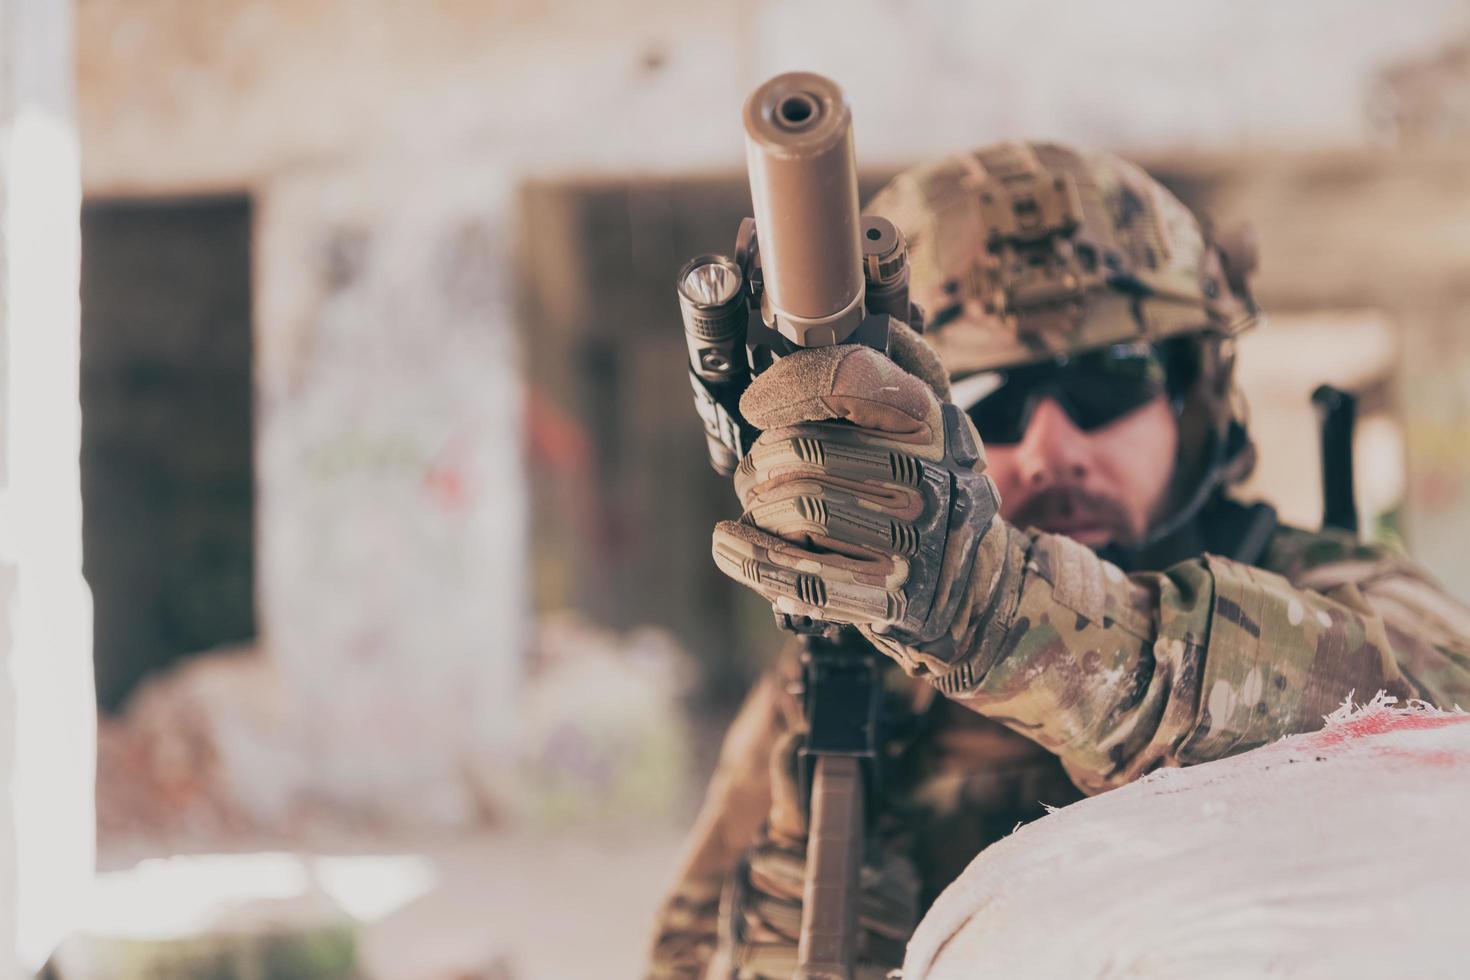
(1120,613)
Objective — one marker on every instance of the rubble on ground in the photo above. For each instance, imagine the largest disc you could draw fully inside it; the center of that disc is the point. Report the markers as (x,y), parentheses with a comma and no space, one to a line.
(218,748)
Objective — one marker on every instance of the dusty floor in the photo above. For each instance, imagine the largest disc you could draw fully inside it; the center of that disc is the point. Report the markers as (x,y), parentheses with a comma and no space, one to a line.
(512,905)
(548,908)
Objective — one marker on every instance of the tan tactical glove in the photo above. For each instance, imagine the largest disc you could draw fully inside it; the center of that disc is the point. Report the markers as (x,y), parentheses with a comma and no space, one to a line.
(865,499)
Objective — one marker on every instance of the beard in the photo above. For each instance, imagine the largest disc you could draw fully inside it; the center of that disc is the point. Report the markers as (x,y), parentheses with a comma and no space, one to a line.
(1095,519)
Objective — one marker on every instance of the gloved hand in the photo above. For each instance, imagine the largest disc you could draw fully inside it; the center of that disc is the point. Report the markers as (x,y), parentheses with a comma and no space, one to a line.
(865,500)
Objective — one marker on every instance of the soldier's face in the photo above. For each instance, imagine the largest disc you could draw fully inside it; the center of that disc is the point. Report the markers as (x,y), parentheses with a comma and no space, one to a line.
(1102,486)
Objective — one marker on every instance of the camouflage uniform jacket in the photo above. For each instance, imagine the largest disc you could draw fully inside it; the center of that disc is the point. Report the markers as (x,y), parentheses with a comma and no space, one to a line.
(1109,676)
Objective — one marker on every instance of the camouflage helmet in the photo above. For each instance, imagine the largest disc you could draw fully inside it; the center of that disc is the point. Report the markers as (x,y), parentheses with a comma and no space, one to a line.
(1024,252)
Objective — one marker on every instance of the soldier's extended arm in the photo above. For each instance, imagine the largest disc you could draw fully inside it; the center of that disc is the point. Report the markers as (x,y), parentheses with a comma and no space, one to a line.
(1122,674)
(1116,674)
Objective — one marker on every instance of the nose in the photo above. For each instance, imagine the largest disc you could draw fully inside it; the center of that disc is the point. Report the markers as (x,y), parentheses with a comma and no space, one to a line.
(1053,451)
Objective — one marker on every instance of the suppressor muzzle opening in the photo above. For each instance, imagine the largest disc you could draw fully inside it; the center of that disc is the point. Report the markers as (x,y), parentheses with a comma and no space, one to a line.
(798,112)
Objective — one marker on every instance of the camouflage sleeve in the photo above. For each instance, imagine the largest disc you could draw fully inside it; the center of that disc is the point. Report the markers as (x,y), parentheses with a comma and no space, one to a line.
(1120,675)
(1428,630)
(736,805)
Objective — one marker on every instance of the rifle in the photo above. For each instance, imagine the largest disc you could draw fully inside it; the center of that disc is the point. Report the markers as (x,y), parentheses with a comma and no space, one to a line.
(807,271)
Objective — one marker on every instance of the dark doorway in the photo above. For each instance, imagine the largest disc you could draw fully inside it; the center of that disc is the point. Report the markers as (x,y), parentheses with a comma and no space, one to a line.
(623,495)
(167,474)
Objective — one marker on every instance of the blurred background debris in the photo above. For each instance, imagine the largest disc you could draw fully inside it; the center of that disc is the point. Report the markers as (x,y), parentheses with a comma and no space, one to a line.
(371,439)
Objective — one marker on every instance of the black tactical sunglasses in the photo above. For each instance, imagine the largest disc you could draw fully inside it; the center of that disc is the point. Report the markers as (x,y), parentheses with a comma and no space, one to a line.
(1095,388)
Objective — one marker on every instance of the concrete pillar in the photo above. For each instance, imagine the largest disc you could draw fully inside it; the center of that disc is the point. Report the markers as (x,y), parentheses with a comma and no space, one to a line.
(47,716)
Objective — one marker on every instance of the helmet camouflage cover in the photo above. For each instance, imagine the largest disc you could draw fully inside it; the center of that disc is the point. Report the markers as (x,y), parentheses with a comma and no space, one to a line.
(1023,252)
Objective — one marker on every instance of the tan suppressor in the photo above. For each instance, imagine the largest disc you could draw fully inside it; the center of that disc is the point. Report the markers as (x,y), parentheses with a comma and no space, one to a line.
(803,185)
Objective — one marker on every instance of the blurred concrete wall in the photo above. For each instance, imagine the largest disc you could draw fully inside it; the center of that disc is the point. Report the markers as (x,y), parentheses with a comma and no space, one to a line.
(1389,233)
(384,143)
(230,92)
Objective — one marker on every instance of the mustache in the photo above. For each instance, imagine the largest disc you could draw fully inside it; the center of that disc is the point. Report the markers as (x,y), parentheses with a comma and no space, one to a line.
(1058,509)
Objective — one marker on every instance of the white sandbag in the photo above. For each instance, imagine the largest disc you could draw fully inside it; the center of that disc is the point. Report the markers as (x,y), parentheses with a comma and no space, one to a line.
(1342,853)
